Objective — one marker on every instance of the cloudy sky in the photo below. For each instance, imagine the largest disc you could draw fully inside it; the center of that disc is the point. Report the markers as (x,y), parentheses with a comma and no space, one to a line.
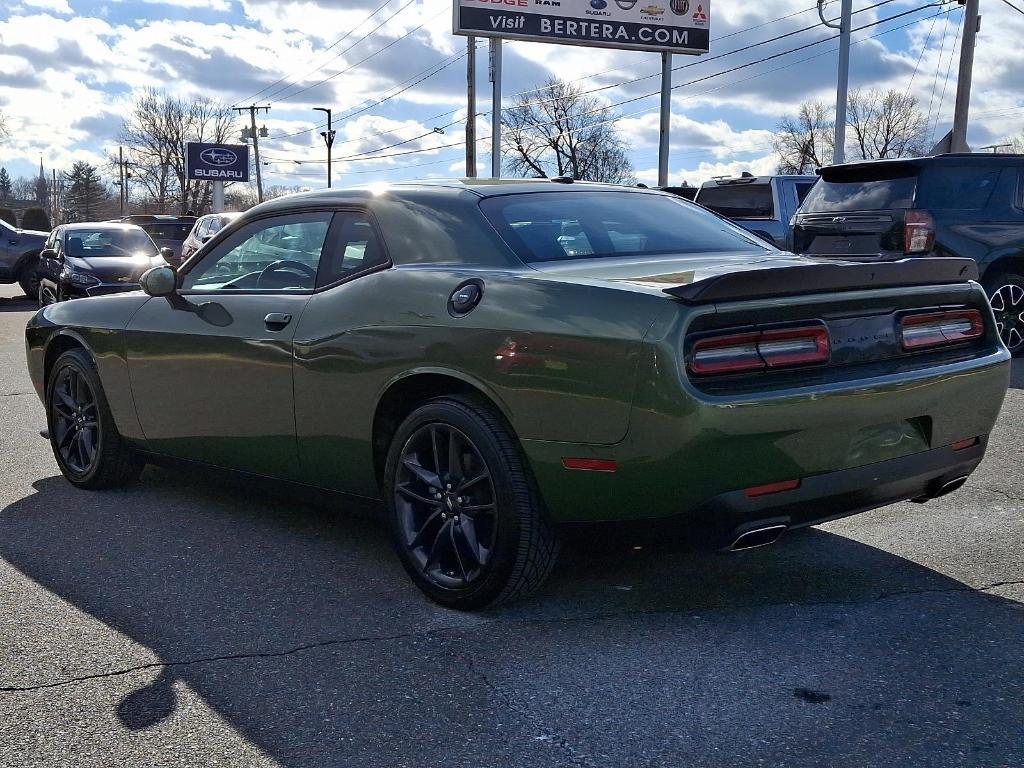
(69,68)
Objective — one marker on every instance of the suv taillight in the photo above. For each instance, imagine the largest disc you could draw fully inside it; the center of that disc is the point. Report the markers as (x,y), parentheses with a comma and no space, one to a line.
(918,232)
(759,350)
(934,328)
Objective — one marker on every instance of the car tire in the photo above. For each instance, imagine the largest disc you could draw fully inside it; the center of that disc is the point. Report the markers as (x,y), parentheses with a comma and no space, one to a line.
(28,279)
(471,532)
(1005,291)
(89,450)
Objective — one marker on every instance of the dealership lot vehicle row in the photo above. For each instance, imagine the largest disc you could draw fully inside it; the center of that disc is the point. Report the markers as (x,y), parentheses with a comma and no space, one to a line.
(211,623)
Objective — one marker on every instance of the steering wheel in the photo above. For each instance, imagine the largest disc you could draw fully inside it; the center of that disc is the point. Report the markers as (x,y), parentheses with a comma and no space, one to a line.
(286,265)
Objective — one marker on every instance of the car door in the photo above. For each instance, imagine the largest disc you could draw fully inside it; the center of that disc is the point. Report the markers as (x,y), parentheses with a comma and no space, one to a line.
(211,366)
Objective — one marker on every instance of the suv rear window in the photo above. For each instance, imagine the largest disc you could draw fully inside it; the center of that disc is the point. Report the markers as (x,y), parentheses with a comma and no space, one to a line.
(739,201)
(558,226)
(863,189)
(963,188)
(168,230)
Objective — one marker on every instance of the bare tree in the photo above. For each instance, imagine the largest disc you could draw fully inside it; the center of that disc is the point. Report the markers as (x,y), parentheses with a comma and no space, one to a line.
(558,131)
(4,129)
(886,125)
(804,142)
(155,134)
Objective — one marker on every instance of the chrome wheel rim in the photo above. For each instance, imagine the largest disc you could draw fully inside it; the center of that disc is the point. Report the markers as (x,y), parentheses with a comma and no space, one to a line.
(75,424)
(446,505)
(1008,307)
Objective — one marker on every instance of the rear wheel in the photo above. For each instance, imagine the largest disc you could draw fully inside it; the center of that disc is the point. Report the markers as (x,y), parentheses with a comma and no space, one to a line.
(88,449)
(466,517)
(1006,293)
(28,279)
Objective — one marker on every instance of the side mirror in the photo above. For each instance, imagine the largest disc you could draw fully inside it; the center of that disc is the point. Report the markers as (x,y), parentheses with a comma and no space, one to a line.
(48,253)
(159,281)
(170,257)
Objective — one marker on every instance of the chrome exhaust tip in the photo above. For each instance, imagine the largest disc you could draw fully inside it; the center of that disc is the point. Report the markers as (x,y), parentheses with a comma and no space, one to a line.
(942,490)
(757,537)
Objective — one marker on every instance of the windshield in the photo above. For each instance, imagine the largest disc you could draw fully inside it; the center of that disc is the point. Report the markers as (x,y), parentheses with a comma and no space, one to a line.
(549,226)
(109,242)
(739,201)
(169,230)
(863,190)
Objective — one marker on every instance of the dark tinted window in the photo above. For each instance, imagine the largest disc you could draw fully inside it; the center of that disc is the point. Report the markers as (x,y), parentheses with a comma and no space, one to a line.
(739,201)
(168,230)
(553,226)
(91,243)
(863,189)
(353,248)
(959,188)
(802,190)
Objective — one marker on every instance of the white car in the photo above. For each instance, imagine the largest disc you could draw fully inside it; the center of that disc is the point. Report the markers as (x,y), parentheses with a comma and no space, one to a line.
(205,228)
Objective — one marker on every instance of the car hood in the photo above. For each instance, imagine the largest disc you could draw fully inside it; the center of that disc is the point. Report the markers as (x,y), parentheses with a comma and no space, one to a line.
(653,274)
(34,233)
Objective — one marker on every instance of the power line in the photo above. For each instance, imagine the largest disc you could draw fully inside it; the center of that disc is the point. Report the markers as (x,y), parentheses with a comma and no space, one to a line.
(331,46)
(364,157)
(949,68)
(1018,10)
(924,49)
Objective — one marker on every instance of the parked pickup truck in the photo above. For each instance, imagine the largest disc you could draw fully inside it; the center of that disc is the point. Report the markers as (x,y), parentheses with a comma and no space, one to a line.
(763,205)
(960,205)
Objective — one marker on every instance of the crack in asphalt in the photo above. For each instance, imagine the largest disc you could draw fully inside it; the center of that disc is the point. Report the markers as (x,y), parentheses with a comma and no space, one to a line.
(537,723)
(484,625)
(997,492)
(16,394)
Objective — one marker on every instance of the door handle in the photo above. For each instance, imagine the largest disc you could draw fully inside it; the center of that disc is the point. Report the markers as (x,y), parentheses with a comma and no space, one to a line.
(275,321)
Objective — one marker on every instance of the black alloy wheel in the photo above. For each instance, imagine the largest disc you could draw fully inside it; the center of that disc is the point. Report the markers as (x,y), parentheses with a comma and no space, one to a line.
(47,295)
(86,444)
(1006,294)
(445,502)
(466,517)
(28,279)
(76,429)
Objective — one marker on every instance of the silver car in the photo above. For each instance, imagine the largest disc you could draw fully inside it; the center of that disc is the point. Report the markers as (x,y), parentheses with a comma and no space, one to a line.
(206,227)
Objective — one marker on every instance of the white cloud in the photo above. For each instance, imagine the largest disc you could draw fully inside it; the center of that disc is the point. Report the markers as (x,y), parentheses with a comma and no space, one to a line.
(57,6)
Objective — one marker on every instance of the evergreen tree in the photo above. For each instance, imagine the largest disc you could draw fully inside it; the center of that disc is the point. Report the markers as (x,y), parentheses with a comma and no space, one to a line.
(86,193)
(6,188)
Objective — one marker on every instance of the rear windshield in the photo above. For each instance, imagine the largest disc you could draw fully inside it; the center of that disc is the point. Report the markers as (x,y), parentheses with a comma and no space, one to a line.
(875,189)
(739,201)
(168,230)
(964,188)
(558,226)
(109,242)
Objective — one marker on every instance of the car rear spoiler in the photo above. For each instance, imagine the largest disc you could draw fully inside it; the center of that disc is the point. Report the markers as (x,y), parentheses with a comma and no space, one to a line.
(823,278)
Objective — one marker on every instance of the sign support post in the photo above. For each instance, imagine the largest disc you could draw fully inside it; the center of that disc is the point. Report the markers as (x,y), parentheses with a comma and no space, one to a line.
(666,118)
(495,43)
(471,107)
(218,197)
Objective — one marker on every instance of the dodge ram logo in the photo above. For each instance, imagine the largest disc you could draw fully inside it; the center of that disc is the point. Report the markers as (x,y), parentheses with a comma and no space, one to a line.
(218,157)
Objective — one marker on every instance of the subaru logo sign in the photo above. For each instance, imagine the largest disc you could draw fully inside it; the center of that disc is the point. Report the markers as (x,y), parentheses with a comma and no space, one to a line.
(218,156)
(217,162)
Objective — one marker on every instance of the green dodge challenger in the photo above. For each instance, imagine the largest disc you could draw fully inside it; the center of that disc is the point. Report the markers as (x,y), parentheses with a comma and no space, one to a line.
(494,359)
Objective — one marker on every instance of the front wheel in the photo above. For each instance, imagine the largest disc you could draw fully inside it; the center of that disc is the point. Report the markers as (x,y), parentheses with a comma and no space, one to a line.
(88,449)
(1006,293)
(28,279)
(466,518)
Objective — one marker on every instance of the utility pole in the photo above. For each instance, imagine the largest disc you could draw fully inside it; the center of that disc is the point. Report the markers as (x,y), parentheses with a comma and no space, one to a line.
(120,169)
(471,108)
(495,44)
(666,118)
(972,23)
(328,140)
(843,79)
(252,110)
(54,211)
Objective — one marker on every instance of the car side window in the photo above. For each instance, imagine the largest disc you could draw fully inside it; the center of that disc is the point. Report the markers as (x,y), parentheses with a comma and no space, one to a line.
(1018,197)
(51,241)
(802,188)
(281,253)
(354,248)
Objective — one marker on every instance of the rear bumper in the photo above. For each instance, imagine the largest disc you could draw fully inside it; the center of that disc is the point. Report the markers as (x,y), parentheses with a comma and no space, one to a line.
(834,494)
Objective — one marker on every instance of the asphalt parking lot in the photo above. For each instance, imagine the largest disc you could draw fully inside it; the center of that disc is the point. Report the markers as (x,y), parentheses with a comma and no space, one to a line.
(193,619)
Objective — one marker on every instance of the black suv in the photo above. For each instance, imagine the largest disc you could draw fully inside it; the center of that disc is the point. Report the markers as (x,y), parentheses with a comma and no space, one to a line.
(166,231)
(967,205)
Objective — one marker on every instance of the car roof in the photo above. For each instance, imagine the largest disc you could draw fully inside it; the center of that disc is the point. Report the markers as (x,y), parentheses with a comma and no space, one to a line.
(950,158)
(94,226)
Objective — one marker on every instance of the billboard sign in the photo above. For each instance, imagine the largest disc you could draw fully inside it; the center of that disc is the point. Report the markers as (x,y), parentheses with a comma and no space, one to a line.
(676,26)
(217,162)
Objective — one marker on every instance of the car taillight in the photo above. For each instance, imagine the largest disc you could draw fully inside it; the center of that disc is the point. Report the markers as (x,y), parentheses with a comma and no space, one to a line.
(758,350)
(918,232)
(934,328)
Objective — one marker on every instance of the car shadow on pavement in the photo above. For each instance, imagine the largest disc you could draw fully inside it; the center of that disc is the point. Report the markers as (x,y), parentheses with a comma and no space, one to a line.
(18,304)
(299,627)
(1017,374)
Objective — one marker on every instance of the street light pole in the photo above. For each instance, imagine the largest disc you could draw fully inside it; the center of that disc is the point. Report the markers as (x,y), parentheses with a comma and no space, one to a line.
(328,140)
